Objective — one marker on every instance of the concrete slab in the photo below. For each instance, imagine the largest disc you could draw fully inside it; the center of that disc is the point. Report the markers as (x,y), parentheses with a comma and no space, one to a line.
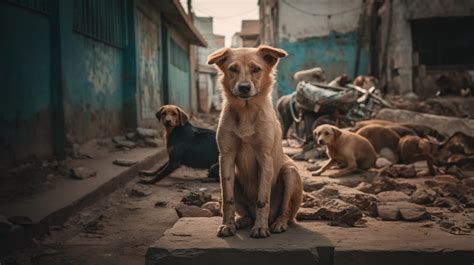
(54,206)
(194,241)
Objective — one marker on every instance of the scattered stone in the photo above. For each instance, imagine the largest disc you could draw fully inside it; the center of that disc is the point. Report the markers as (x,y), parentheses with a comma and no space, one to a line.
(455,171)
(124,162)
(147,133)
(122,142)
(82,173)
(452,203)
(340,212)
(391,211)
(365,187)
(313,183)
(137,193)
(469,182)
(197,199)
(423,196)
(382,162)
(308,214)
(131,136)
(313,167)
(161,204)
(392,196)
(152,142)
(20,220)
(214,207)
(401,171)
(184,210)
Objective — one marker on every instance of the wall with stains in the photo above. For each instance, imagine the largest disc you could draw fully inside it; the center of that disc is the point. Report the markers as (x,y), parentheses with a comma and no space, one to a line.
(149,62)
(25,79)
(92,83)
(319,34)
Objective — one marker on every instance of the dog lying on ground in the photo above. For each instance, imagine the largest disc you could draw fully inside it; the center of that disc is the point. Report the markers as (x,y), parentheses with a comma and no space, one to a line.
(403,129)
(413,149)
(258,180)
(344,147)
(383,139)
(187,145)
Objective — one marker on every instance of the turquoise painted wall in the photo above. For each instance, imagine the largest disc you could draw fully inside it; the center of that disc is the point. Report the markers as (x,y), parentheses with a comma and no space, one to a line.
(25,81)
(335,53)
(93,81)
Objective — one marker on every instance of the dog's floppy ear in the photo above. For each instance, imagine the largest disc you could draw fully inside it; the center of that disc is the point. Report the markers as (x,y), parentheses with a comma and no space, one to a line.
(271,55)
(336,132)
(158,113)
(218,57)
(183,116)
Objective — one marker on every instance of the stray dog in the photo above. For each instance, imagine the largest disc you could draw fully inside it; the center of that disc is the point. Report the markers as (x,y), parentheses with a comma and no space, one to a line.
(310,75)
(383,139)
(187,145)
(344,147)
(258,180)
(413,148)
(403,129)
(288,113)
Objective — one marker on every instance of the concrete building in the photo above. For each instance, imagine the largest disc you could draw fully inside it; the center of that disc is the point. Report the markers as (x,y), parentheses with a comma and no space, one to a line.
(249,35)
(209,95)
(315,34)
(393,40)
(76,70)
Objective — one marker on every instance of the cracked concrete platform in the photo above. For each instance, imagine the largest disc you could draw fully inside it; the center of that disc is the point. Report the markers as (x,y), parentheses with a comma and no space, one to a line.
(194,241)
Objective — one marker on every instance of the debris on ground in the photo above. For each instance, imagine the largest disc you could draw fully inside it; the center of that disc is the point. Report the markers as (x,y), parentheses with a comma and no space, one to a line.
(336,211)
(214,207)
(184,210)
(137,193)
(82,173)
(124,162)
(400,210)
(161,204)
(196,198)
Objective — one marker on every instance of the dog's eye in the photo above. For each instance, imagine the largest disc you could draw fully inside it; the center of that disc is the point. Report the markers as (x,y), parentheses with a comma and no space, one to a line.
(174,114)
(326,133)
(234,69)
(256,70)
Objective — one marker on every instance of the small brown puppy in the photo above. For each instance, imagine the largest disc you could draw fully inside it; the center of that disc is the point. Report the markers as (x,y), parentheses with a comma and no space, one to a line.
(383,139)
(413,149)
(258,181)
(346,148)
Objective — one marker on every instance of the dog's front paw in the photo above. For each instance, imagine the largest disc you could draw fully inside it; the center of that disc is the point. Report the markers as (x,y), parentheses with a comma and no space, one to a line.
(279,227)
(226,230)
(260,232)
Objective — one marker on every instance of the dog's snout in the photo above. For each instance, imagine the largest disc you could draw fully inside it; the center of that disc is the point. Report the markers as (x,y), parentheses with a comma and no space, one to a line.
(167,122)
(321,141)
(244,88)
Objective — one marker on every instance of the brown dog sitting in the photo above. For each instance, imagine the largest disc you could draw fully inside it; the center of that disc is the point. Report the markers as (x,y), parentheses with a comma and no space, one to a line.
(346,148)
(413,149)
(258,180)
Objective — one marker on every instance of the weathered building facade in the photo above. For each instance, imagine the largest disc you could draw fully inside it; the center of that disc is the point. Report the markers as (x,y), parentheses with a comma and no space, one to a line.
(208,87)
(419,41)
(75,70)
(323,34)
(408,45)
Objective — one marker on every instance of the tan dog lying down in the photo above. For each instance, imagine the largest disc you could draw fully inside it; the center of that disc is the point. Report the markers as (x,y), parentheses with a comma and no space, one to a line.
(258,180)
(413,148)
(344,147)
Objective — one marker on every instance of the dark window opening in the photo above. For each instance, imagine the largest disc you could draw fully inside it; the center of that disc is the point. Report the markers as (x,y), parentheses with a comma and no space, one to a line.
(444,42)
(101,20)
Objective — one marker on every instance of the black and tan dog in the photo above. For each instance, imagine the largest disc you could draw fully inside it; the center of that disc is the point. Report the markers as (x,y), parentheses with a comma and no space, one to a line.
(186,144)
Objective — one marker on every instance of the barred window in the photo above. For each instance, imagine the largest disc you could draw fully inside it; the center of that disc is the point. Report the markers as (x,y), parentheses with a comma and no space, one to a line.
(41,6)
(178,56)
(101,20)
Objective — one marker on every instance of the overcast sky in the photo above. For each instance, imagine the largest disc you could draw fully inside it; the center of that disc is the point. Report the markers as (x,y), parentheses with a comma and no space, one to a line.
(227,14)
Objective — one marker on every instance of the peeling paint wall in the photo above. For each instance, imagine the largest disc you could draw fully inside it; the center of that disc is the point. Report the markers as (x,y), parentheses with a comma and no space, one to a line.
(149,61)
(313,38)
(25,79)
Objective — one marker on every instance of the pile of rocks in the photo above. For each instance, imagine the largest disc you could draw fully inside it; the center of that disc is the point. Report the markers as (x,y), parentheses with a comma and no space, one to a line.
(198,204)
(441,199)
(142,137)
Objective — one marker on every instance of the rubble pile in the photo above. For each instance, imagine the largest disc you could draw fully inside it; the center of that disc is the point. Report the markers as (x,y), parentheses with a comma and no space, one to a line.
(142,137)
(198,204)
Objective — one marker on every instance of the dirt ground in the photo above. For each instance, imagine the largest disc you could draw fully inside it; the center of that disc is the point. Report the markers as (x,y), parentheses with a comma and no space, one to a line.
(119,228)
